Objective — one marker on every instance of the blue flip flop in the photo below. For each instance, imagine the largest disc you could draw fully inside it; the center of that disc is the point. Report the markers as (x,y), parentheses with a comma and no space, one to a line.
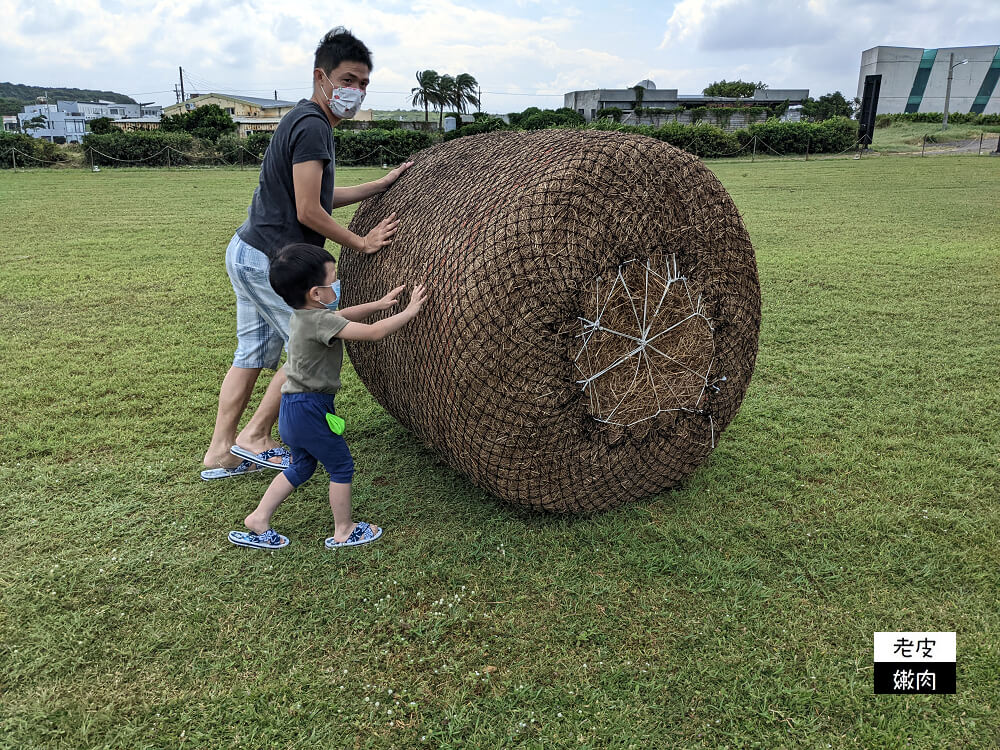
(362,534)
(246,467)
(270,539)
(261,459)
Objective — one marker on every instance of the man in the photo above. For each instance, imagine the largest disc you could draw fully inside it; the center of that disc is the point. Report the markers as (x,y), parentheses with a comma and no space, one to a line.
(292,203)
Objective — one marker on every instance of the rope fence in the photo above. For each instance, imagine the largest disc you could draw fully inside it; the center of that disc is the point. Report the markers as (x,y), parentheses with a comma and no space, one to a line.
(751,148)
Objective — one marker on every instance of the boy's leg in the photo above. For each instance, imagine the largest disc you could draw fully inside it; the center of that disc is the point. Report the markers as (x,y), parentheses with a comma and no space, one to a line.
(337,460)
(260,520)
(340,504)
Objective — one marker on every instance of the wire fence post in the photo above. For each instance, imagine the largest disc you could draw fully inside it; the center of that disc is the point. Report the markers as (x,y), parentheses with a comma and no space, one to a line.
(980,152)
(753,156)
(923,144)
(807,148)
(241,158)
(168,157)
(91,158)
(13,157)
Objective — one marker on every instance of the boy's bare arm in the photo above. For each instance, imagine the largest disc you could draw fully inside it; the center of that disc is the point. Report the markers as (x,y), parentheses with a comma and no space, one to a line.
(360,313)
(377,331)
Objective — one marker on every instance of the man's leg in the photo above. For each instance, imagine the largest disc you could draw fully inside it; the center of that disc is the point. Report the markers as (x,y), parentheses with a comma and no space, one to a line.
(262,328)
(257,435)
(237,387)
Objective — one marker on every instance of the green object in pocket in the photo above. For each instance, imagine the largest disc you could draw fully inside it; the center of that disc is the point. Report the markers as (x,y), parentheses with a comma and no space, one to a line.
(336,423)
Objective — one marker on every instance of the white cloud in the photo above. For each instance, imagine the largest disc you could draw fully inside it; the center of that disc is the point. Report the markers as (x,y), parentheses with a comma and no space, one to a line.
(813,44)
(523,47)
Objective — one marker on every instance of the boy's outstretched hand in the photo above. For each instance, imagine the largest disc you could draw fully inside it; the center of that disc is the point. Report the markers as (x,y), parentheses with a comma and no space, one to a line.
(390,299)
(417,299)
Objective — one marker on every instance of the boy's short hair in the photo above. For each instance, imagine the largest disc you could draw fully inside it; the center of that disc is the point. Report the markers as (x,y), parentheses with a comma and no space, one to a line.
(339,45)
(296,269)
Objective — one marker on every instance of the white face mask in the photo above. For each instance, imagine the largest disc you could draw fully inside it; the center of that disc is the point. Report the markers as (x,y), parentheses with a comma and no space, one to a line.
(344,102)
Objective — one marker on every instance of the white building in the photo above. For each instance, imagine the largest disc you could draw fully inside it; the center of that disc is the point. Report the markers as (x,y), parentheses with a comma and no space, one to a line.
(52,124)
(113,110)
(66,121)
(913,79)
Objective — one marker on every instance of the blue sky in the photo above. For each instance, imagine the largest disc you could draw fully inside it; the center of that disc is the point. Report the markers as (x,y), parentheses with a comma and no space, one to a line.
(523,52)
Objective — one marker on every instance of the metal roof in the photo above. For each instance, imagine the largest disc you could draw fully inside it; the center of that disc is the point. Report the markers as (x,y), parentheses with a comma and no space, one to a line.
(257,102)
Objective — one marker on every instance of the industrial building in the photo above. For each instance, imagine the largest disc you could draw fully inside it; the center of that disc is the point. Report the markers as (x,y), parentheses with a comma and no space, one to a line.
(589,102)
(914,79)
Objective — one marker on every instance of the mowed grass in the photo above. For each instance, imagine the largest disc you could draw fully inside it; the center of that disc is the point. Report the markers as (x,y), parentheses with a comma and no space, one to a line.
(909,136)
(855,492)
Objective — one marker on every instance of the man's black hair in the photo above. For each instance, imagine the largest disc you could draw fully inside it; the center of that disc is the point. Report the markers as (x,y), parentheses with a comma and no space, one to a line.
(339,45)
(296,269)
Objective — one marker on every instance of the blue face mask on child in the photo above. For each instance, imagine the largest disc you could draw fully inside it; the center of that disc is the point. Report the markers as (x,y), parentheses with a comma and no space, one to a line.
(335,286)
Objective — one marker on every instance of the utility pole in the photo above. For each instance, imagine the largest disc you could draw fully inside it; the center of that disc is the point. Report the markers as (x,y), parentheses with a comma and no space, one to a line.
(181,71)
(276,95)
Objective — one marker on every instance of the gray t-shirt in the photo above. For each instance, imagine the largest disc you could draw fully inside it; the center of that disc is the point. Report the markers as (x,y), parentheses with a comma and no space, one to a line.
(315,354)
(304,134)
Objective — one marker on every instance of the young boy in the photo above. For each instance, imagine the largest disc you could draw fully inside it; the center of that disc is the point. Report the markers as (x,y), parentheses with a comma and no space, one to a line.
(305,277)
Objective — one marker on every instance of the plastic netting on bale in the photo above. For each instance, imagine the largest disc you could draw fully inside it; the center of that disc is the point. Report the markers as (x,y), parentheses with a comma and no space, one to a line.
(593,314)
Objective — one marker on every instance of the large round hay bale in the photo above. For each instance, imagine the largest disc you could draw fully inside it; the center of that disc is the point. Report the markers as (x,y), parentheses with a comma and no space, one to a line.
(593,314)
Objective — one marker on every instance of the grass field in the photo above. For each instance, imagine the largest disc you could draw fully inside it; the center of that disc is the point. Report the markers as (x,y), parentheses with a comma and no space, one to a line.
(857,491)
(909,136)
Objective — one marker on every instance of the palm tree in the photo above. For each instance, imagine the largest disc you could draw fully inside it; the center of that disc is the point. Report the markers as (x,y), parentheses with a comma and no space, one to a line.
(427,92)
(466,85)
(446,95)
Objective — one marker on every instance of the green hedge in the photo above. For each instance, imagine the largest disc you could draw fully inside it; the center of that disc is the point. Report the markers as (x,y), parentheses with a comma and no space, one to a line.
(701,140)
(958,118)
(830,136)
(41,152)
(354,147)
(250,150)
(707,141)
(148,148)
(827,137)
(374,147)
(482,125)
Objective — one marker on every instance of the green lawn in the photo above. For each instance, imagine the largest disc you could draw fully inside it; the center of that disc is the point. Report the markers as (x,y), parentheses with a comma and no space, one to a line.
(909,136)
(857,491)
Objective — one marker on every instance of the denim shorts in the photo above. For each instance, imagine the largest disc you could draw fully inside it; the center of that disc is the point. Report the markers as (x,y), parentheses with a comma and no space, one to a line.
(262,317)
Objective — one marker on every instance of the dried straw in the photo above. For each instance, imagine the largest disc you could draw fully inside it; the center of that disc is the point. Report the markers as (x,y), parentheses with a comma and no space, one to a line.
(553,256)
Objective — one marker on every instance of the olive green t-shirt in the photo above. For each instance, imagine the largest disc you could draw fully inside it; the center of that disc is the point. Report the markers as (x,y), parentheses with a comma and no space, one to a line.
(315,354)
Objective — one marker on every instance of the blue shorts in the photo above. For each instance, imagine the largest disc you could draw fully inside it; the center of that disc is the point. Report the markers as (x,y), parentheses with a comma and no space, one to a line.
(261,315)
(303,427)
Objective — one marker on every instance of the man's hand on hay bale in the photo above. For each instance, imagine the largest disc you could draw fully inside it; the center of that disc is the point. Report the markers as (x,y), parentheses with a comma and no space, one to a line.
(381,235)
(391,177)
